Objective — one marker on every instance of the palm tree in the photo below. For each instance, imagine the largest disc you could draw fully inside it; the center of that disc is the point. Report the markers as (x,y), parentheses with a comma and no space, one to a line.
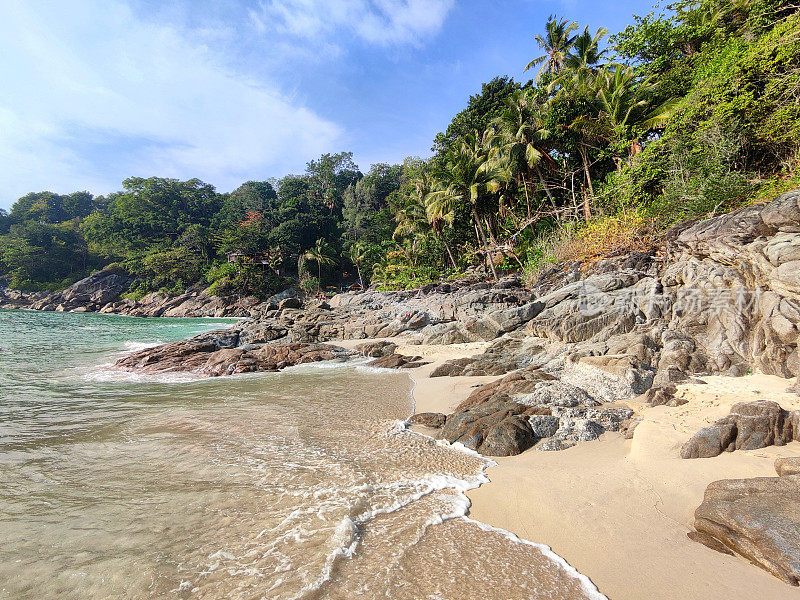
(467,176)
(357,253)
(321,254)
(582,59)
(521,132)
(412,221)
(625,111)
(556,44)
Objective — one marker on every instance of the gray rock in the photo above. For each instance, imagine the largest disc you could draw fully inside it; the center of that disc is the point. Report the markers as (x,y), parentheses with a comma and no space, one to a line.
(429,419)
(787,466)
(543,426)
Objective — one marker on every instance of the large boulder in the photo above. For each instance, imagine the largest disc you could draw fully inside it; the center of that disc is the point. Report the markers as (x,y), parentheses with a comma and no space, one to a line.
(749,426)
(495,428)
(758,519)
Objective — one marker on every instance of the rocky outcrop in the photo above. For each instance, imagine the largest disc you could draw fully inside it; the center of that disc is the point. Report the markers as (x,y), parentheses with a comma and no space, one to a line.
(102,292)
(530,408)
(749,426)
(228,352)
(376,349)
(756,519)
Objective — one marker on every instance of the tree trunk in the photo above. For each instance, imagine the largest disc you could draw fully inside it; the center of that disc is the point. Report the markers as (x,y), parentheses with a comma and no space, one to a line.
(360,279)
(482,239)
(547,191)
(587,210)
(450,254)
(319,277)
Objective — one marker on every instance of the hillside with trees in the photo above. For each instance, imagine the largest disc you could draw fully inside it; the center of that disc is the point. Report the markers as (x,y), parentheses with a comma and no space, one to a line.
(687,113)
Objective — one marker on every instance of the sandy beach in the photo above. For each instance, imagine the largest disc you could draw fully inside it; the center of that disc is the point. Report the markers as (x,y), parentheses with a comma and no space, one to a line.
(619,510)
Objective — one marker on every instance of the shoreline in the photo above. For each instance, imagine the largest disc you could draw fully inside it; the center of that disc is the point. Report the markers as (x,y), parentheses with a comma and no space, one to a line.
(600,503)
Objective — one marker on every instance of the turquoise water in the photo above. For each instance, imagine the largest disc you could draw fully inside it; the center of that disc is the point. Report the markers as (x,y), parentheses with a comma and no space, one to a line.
(52,367)
(299,484)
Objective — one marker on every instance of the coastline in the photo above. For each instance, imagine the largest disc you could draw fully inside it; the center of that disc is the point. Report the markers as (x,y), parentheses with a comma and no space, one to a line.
(600,503)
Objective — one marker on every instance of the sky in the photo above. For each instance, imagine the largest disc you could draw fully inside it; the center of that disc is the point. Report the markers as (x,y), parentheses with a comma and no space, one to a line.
(94,91)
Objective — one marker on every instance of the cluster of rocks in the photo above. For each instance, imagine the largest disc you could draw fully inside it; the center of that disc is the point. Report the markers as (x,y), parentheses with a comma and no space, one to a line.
(749,426)
(103,292)
(229,352)
(722,296)
(523,409)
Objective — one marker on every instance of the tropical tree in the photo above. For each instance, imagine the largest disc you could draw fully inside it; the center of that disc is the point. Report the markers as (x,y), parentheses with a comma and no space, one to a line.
(357,253)
(556,44)
(625,113)
(582,60)
(467,176)
(521,133)
(320,253)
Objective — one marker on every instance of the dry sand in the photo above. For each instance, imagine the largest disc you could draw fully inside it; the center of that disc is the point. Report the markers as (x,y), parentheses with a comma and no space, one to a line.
(619,510)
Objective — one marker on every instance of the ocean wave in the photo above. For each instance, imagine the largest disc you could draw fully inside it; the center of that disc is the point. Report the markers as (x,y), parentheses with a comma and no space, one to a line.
(107,373)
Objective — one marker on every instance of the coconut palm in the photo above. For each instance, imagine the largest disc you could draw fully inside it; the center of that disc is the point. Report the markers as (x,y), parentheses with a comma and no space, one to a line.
(581,61)
(438,214)
(322,254)
(556,44)
(521,133)
(625,111)
(358,253)
(467,176)
(412,223)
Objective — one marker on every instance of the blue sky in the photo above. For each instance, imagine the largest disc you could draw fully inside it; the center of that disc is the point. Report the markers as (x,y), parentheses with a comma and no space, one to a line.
(231,90)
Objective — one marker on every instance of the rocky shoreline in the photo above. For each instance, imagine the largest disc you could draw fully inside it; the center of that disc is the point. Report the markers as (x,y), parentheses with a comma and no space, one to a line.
(570,356)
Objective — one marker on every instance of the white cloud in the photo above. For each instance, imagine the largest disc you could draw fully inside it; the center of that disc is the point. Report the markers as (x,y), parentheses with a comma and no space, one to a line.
(382,22)
(86,75)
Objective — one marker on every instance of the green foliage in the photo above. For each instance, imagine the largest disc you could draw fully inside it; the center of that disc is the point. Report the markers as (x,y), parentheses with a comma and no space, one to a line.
(691,111)
(480,111)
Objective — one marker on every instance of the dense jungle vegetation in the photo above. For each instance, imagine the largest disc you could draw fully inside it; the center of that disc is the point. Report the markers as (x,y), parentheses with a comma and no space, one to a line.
(691,111)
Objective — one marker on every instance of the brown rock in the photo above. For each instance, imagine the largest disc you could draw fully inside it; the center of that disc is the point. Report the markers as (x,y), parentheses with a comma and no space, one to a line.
(787,466)
(749,426)
(429,419)
(397,361)
(376,349)
(758,519)
(495,428)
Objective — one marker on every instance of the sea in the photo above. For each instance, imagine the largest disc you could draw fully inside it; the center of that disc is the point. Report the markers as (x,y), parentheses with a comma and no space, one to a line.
(299,484)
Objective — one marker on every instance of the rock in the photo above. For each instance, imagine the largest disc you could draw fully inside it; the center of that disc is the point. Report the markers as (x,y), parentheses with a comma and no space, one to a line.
(663,395)
(495,428)
(627,429)
(290,303)
(709,541)
(554,393)
(220,353)
(428,419)
(758,519)
(554,444)
(377,349)
(397,361)
(544,426)
(517,383)
(787,466)
(749,426)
